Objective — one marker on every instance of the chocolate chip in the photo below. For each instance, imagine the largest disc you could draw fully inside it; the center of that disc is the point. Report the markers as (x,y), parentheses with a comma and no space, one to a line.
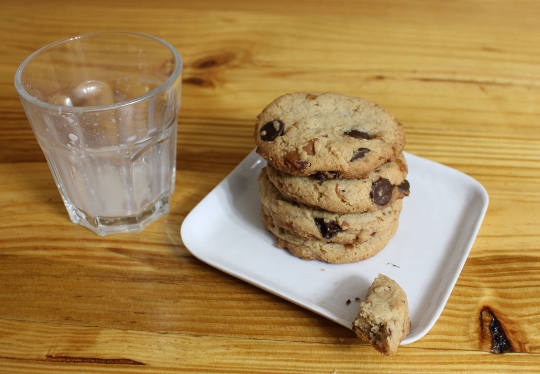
(292,161)
(327,229)
(357,134)
(381,191)
(309,147)
(272,130)
(404,187)
(322,176)
(359,153)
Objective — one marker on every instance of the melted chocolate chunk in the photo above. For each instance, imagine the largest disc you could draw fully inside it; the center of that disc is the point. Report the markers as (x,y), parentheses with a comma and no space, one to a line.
(309,147)
(357,134)
(327,229)
(404,187)
(359,153)
(272,130)
(322,176)
(381,192)
(292,160)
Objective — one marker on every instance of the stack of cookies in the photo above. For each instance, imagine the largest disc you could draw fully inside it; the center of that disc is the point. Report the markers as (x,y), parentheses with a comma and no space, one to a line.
(333,186)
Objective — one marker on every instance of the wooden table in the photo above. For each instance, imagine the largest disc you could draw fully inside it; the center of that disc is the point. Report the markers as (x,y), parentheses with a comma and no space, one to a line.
(463,76)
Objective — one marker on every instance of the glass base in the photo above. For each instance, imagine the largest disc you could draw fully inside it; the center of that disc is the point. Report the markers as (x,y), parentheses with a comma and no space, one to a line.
(114,225)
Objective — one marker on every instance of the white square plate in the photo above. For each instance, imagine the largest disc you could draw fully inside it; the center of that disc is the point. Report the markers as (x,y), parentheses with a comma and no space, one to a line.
(438,225)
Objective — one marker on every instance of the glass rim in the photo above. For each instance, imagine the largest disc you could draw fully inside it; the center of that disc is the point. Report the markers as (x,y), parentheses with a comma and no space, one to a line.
(96,108)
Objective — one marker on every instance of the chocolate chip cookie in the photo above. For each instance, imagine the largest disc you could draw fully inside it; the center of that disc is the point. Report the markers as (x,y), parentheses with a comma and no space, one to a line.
(308,133)
(316,224)
(381,188)
(333,253)
(383,318)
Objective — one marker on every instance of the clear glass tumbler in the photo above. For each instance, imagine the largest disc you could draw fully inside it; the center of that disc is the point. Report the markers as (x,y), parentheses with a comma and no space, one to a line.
(104,108)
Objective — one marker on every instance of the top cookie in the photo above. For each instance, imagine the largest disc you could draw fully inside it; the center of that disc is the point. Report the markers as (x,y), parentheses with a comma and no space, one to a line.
(305,133)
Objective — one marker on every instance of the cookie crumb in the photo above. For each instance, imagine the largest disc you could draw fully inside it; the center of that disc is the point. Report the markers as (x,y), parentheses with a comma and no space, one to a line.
(383,319)
(357,299)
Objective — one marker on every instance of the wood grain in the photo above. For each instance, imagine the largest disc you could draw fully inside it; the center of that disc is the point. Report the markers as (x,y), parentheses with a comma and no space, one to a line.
(463,77)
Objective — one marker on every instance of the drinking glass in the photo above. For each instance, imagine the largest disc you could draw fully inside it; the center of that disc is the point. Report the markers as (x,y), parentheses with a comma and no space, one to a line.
(104,108)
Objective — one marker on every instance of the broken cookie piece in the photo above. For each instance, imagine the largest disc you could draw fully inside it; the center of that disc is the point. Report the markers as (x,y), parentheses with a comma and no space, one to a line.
(383,318)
